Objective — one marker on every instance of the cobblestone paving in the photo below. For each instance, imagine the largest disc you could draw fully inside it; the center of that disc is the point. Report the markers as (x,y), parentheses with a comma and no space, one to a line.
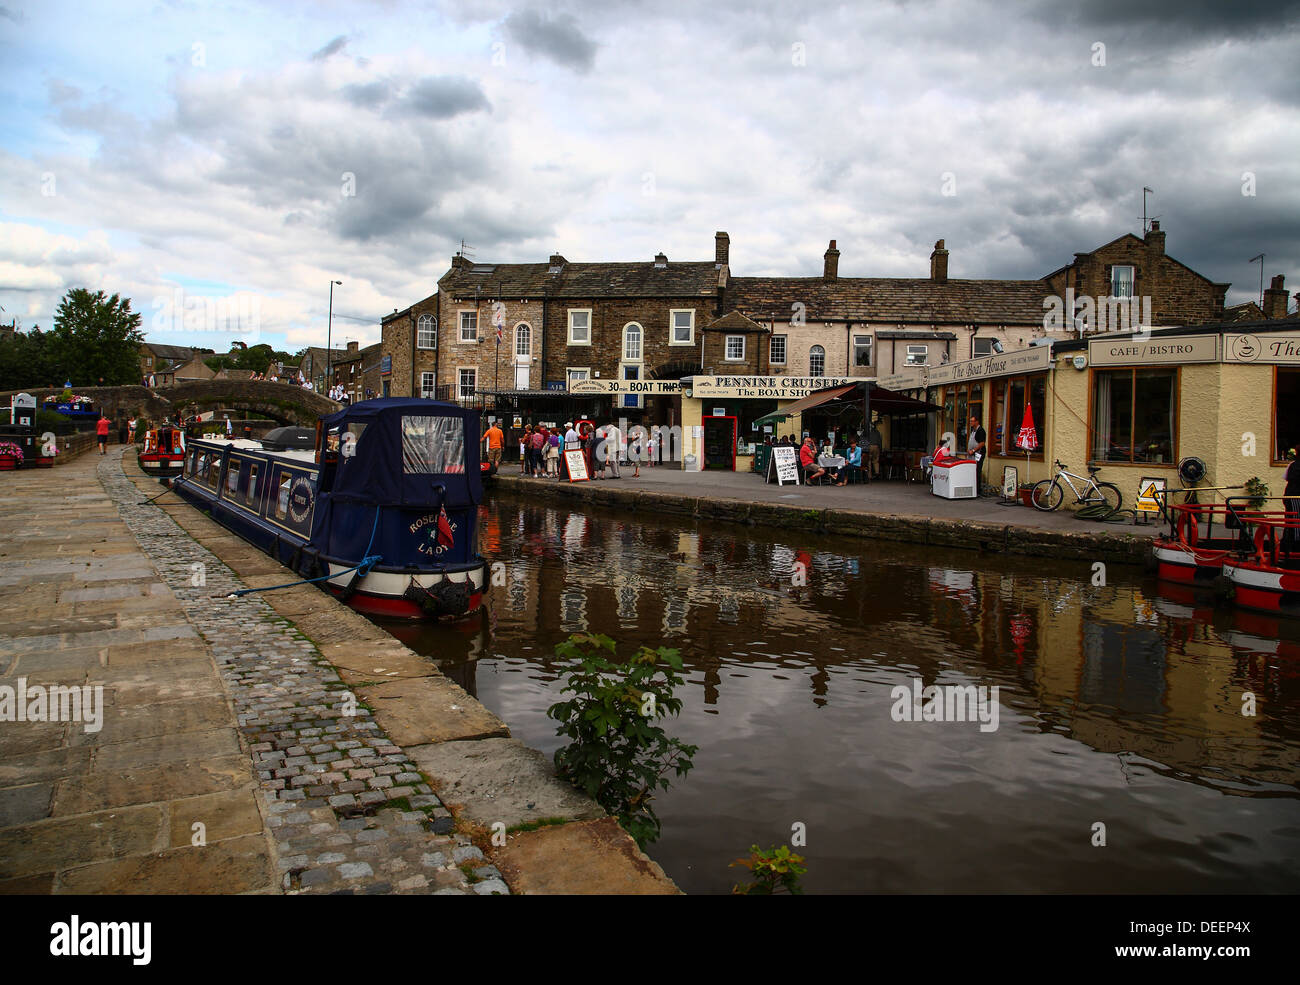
(350,813)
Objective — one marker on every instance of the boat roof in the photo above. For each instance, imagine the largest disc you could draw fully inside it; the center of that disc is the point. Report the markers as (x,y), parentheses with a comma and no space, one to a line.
(245,444)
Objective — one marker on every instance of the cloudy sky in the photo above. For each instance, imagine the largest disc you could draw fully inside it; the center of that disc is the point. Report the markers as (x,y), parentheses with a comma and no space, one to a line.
(259,151)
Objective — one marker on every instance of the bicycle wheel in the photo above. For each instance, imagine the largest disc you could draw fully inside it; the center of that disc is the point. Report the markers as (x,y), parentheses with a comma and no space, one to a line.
(1110,495)
(1047,495)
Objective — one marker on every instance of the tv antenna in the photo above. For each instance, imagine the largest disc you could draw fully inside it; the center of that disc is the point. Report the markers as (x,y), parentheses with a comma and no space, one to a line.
(1260,258)
(1146,219)
(466,250)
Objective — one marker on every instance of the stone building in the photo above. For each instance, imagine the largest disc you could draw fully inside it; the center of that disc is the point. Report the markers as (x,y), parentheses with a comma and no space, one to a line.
(357,371)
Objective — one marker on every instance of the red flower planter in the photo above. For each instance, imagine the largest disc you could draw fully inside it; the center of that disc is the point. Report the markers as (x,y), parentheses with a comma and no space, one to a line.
(8,463)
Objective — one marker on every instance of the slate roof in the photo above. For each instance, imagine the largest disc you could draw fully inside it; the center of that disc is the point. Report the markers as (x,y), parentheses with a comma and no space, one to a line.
(585,280)
(890,300)
(735,321)
(175,353)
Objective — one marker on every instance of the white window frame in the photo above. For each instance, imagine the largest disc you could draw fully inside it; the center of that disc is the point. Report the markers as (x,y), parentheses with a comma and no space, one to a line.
(460,382)
(527,354)
(573,374)
(816,350)
(628,356)
(1132,279)
(870,342)
(460,322)
(771,349)
(727,357)
(672,326)
(428,386)
(914,349)
(426,324)
(579,311)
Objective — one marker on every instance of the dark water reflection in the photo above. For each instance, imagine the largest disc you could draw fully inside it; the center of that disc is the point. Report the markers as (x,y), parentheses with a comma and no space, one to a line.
(1119,704)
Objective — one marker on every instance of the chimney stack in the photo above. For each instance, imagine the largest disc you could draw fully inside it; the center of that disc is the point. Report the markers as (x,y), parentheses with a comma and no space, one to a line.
(460,262)
(1275,299)
(939,263)
(352,347)
(721,248)
(1155,238)
(557,260)
(832,268)
(661,260)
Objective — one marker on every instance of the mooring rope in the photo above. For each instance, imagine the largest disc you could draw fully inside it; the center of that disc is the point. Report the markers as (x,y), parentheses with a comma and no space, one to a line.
(367,563)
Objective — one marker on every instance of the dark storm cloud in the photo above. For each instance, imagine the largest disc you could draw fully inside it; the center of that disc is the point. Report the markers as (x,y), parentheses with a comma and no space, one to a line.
(557,37)
(443,96)
(1168,23)
(333,48)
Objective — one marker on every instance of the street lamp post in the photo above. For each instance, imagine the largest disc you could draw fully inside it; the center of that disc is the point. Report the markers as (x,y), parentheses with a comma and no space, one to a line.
(329,327)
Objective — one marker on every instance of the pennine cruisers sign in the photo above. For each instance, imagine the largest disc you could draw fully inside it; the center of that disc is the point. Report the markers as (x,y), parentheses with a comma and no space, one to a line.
(771,387)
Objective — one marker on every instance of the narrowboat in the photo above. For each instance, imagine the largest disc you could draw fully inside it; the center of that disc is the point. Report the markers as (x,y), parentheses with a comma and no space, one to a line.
(163,452)
(381,510)
(1194,551)
(1265,574)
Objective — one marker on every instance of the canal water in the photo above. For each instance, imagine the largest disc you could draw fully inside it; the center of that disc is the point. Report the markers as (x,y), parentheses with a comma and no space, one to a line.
(1121,707)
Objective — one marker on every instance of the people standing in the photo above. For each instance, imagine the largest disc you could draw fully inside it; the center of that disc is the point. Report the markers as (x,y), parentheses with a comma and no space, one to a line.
(101,432)
(230,428)
(613,446)
(1291,501)
(495,443)
(526,451)
(977,448)
(589,449)
(874,445)
(553,454)
(539,450)
(130,431)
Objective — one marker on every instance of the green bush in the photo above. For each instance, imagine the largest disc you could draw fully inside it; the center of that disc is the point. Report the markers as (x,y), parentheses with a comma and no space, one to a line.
(617,754)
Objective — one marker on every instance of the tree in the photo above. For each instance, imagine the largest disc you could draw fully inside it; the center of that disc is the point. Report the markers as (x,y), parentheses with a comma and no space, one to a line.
(25,362)
(96,338)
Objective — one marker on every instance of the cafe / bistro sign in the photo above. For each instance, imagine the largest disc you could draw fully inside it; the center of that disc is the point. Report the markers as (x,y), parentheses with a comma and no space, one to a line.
(1276,348)
(1160,350)
(773,387)
(644,388)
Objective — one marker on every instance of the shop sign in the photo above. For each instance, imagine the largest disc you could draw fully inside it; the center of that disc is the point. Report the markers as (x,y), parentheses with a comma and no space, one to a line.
(759,387)
(386,366)
(783,465)
(1168,350)
(1032,359)
(644,388)
(902,381)
(1279,348)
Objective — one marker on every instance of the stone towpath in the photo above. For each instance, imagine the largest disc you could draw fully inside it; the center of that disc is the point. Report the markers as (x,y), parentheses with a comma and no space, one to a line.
(247,745)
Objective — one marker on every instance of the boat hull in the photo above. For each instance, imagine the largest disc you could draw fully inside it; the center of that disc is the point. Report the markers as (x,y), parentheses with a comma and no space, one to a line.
(1264,588)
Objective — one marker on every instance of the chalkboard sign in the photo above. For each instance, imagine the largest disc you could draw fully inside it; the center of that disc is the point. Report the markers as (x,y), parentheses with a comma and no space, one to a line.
(577,465)
(783,465)
(1010,481)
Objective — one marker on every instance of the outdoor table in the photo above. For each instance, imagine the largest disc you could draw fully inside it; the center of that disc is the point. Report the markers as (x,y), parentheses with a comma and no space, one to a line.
(831,461)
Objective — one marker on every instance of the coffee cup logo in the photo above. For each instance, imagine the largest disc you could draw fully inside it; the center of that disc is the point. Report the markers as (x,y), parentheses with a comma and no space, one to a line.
(1245,348)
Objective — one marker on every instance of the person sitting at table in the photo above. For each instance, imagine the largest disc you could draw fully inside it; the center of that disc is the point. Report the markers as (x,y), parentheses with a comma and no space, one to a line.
(853,458)
(808,459)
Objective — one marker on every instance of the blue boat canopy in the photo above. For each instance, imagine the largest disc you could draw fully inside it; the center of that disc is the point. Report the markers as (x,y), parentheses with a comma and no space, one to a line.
(395,450)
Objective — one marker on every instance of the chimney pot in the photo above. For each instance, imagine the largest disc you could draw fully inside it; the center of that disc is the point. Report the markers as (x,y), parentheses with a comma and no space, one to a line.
(939,263)
(831,270)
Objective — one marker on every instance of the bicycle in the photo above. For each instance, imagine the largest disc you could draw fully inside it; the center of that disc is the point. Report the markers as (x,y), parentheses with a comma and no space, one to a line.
(1101,499)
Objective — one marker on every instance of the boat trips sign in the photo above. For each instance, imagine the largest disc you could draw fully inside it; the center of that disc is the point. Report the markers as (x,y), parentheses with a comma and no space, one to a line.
(778,387)
(651,388)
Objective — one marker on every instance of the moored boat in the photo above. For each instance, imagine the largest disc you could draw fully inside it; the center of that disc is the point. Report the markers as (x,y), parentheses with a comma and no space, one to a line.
(1199,540)
(163,452)
(381,512)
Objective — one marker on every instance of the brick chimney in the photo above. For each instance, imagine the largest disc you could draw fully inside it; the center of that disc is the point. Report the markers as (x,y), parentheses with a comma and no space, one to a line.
(557,260)
(721,248)
(661,260)
(1155,238)
(353,346)
(1275,299)
(939,263)
(831,270)
(459,262)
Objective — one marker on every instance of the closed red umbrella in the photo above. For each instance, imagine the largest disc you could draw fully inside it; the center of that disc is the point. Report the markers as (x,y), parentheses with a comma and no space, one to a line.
(1028,437)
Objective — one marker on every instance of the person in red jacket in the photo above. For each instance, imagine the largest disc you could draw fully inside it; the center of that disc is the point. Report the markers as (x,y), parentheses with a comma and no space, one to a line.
(808,459)
(101,429)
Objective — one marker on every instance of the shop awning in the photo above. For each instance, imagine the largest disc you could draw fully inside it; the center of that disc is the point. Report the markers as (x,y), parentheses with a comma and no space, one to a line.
(814,399)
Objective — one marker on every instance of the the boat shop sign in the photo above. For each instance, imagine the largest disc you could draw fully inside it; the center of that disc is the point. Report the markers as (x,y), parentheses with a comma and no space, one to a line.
(771,387)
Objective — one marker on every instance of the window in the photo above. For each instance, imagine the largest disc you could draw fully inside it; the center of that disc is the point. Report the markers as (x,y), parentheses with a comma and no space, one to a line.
(816,361)
(469,326)
(523,340)
(1286,425)
(579,326)
(250,494)
(862,350)
(981,348)
(467,383)
(280,508)
(427,387)
(426,333)
(574,374)
(917,355)
(433,445)
(1121,282)
(682,330)
(232,477)
(1135,415)
(632,342)
(776,350)
(960,401)
(1009,395)
(735,351)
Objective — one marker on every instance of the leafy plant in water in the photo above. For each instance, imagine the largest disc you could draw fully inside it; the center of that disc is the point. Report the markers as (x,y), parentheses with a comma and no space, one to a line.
(775,869)
(618,755)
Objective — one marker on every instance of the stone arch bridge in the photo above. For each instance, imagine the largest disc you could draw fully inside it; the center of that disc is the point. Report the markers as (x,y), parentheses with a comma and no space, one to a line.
(284,403)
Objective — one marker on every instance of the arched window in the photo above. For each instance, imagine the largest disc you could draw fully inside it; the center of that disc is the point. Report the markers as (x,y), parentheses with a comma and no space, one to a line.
(816,361)
(523,340)
(426,333)
(631,342)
